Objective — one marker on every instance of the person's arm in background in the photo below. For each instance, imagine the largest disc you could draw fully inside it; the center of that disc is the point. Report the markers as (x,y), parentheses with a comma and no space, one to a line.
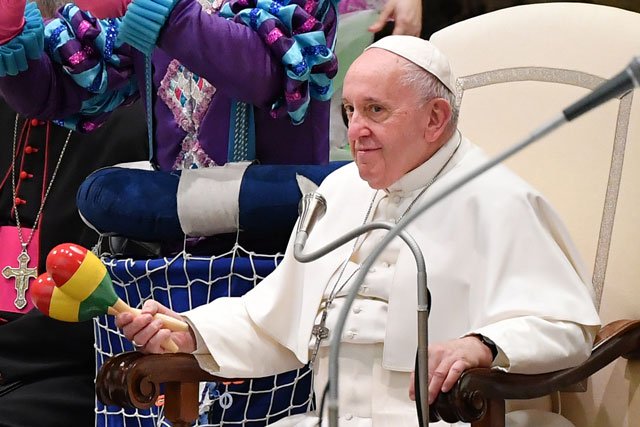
(68,66)
(250,52)
(406,14)
(238,60)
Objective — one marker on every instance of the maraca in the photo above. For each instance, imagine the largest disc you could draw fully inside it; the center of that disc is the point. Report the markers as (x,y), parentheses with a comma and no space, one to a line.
(81,275)
(51,301)
(56,304)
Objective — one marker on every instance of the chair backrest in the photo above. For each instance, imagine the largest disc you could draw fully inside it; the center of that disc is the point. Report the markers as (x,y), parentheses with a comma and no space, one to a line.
(519,67)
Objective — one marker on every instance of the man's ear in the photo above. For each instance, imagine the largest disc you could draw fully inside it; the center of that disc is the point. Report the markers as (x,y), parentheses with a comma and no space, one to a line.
(439,115)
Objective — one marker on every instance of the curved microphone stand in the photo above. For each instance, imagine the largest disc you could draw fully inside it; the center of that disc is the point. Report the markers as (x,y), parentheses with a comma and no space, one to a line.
(312,208)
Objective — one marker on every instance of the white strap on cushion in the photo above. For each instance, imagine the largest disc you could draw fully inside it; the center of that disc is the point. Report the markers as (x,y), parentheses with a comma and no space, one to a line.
(208,199)
(144,165)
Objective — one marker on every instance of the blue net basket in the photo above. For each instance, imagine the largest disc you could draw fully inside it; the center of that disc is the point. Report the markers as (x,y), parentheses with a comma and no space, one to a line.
(181,283)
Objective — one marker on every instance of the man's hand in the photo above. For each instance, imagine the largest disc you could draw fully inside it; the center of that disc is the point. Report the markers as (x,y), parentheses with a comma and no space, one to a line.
(448,360)
(11,19)
(103,9)
(147,333)
(406,14)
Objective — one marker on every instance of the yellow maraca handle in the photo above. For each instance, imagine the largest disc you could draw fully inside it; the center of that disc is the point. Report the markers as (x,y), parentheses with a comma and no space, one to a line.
(170,346)
(171,323)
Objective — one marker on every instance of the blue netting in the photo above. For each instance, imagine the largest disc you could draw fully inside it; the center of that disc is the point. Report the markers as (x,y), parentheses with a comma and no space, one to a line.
(182,283)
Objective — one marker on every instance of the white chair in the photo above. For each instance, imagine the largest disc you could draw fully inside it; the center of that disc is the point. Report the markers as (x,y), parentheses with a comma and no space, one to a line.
(516,69)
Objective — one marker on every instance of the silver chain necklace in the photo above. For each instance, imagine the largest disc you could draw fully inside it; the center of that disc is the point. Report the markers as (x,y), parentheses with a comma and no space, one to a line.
(320,331)
(23,273)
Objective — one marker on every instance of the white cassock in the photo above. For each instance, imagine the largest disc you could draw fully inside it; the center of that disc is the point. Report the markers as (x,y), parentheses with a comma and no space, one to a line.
(499,263)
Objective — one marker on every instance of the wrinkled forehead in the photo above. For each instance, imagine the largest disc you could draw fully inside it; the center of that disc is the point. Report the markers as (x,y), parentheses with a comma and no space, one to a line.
(377,77)
(378,65)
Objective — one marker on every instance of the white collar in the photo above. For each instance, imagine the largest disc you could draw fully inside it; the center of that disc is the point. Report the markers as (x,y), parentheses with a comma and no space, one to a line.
(427,171)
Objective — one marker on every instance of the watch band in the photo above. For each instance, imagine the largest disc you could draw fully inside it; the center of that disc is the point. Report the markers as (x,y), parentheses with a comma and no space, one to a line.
(490,344)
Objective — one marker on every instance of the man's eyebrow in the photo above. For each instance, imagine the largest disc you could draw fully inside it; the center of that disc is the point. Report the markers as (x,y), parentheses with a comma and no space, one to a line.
(366,99)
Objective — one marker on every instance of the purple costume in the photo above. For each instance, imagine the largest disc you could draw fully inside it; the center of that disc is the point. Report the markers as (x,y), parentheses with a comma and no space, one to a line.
(228,61)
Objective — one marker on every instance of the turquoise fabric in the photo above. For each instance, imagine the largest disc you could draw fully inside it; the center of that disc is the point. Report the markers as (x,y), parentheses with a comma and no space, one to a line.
(143,21)
(68,34)
(295,35)
(15,54)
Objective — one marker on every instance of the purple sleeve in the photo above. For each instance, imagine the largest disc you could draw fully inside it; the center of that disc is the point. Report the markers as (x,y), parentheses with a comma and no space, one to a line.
(79,78)
(42,91)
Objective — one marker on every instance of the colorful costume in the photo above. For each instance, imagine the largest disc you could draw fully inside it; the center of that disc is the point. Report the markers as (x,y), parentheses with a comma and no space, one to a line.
(278,61)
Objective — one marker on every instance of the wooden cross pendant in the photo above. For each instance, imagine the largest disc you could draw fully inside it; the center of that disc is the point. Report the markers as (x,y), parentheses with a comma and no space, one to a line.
(21,274)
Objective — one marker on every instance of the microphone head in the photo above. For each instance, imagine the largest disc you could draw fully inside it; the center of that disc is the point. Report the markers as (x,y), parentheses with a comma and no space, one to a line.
(634,71)
(311,208)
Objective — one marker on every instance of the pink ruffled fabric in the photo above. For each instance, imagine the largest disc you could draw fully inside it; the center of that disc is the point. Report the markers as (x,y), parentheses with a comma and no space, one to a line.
(11,19)
(103,9)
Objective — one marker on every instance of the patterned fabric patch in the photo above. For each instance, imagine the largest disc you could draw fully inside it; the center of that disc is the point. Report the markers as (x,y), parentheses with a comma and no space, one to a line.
(210,6)
(188,97)
(192,155)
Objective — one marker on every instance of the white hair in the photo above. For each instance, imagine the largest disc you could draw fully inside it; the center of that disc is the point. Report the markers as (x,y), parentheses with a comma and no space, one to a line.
(428,87)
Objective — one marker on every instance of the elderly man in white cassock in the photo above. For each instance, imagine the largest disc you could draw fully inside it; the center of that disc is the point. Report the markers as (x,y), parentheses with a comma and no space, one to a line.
(507,285)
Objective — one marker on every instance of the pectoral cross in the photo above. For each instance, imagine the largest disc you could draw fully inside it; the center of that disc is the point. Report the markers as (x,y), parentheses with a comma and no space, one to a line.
(21,274)
(321,333)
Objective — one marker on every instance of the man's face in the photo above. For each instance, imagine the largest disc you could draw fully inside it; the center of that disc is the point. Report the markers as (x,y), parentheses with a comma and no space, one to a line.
(388,128)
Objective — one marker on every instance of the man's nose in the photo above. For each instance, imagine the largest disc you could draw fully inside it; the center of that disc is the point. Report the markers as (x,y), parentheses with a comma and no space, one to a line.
(357,126)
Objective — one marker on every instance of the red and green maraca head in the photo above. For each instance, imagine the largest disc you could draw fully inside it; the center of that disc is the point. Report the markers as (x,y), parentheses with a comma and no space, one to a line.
(83,287)
(54,303)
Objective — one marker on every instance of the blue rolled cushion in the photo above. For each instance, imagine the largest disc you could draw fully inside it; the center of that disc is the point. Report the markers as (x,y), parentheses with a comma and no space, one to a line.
(134,203)
(142,205)
(269,195)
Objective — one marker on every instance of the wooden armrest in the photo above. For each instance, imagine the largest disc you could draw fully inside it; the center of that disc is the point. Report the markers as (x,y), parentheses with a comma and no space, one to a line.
(470,398)
(134,379)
